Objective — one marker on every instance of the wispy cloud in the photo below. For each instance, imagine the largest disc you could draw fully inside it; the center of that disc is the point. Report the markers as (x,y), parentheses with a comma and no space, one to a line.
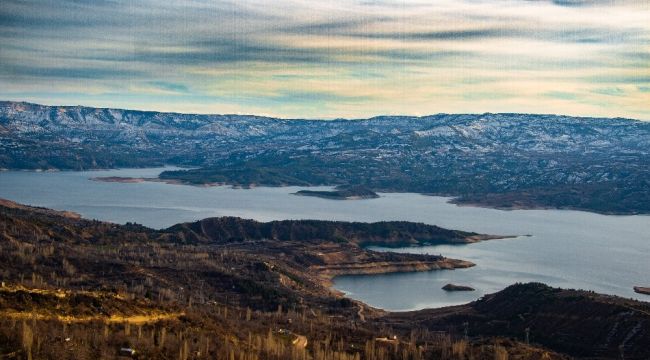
(351,58)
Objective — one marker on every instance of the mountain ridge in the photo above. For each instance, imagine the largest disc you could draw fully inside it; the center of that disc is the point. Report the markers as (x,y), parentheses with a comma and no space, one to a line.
(494,160)
(377,117)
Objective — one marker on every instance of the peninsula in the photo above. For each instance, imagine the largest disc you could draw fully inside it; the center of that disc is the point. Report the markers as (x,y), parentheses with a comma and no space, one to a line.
(642,290)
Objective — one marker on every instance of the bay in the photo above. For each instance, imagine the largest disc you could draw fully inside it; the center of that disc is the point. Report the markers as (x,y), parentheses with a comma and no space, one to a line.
(570,249)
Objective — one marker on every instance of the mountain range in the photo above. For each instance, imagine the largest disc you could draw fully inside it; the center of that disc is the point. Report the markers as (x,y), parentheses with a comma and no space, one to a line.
(495,160)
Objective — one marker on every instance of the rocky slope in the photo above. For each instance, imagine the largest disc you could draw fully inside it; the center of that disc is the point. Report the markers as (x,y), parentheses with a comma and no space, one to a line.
(302,255)
(74,288)
(580,323)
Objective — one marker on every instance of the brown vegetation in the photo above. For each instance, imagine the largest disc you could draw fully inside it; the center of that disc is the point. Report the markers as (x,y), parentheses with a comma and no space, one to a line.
(80,289)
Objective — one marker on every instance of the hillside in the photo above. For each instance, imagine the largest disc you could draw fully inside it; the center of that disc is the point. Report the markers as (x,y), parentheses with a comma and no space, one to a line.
(495,160)
(280,262)
(581,323)
(229,288)
(385,233)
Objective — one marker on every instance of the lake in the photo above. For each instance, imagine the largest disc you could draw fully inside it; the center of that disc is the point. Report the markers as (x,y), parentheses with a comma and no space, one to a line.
(571,249)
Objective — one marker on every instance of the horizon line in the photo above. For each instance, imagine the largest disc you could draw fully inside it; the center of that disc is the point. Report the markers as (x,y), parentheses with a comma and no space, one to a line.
(323,118)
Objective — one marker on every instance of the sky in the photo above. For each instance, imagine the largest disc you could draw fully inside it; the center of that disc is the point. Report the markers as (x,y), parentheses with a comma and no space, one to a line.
(330,59)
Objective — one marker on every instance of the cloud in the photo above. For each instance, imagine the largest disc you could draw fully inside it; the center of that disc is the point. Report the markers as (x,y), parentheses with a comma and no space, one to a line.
(83,73)
(561,95)
(171,87)
(610,91)
(578,35)
(329,59)
(579,3)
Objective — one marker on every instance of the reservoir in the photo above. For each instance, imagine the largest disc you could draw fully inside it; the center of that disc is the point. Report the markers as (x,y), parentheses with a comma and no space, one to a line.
(569,249)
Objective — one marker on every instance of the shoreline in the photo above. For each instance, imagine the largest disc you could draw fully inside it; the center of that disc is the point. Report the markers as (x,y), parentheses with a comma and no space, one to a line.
(326,276)
(326,197)
(475,204)
(327,273)
(455,200)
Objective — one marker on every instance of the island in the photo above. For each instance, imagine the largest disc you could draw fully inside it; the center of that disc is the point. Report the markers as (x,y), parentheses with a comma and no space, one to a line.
(342,193)
(454,287)
(120,179)
(136,180)
(642,290)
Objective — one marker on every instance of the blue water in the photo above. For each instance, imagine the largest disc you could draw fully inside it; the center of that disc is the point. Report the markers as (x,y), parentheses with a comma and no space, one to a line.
(573,249)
